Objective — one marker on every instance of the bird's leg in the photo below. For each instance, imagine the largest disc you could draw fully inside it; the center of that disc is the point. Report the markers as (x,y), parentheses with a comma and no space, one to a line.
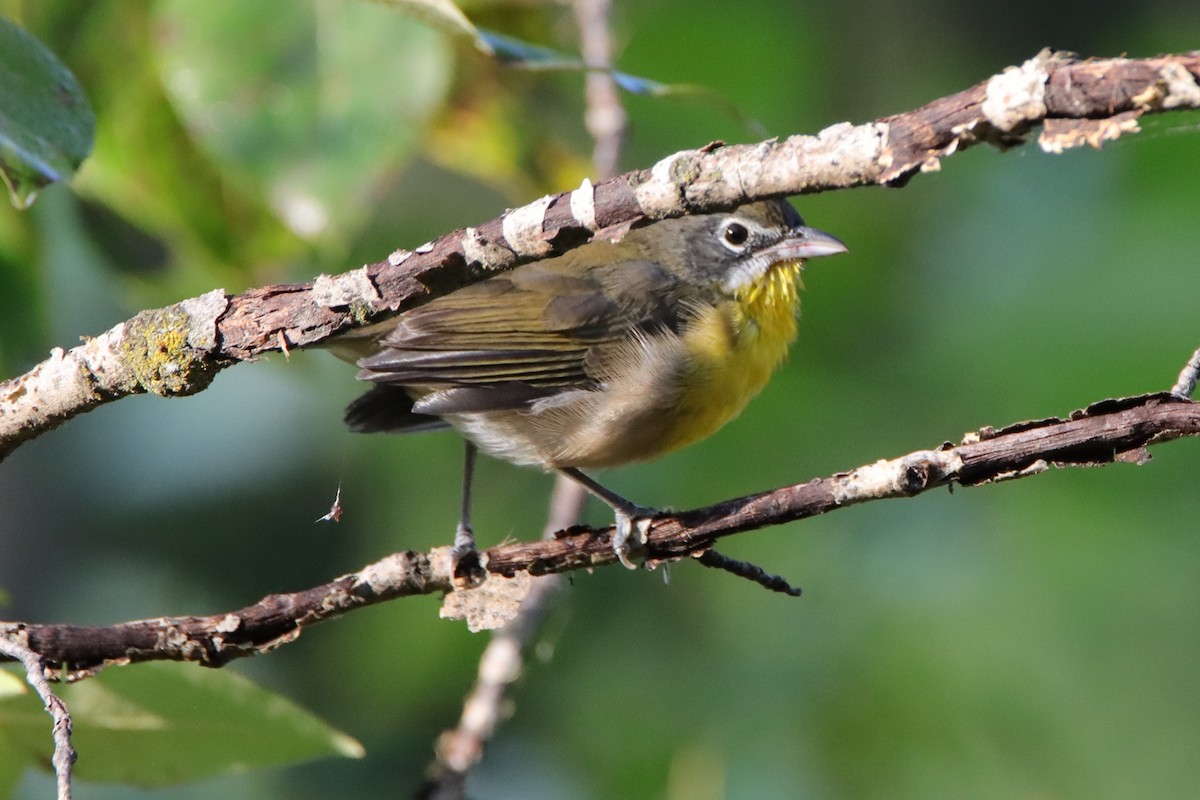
(464,557)
(632,523)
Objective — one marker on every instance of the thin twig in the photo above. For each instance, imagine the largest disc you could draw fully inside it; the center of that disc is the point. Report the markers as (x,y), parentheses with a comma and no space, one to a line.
(35,675)
(751,572)
(605,116)
(500,666)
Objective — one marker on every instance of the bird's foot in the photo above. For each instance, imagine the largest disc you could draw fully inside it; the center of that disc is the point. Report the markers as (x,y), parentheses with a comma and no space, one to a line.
(465,567)
(629,539)
(633,521)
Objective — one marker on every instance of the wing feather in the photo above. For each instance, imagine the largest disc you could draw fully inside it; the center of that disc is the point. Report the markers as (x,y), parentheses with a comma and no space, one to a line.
(508,341)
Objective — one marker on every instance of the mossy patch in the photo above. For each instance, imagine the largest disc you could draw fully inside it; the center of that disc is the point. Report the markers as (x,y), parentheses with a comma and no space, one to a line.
(156,348)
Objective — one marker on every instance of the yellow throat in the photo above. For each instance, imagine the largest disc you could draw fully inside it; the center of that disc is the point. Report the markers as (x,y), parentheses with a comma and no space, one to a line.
(734,348)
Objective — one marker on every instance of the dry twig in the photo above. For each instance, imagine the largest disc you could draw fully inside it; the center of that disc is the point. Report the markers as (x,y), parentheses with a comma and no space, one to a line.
(1107,431)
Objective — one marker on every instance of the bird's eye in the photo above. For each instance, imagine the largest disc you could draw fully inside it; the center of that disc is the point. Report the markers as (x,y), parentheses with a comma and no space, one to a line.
(735,234)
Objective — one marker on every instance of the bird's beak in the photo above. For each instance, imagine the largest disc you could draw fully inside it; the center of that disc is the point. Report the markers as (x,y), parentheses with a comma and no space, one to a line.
(806,242)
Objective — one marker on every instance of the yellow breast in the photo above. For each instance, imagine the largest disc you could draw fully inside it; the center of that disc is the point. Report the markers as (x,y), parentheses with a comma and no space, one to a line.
(733,349)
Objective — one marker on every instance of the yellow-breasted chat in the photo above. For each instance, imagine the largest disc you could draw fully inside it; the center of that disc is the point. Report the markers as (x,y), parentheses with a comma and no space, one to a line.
(612,353)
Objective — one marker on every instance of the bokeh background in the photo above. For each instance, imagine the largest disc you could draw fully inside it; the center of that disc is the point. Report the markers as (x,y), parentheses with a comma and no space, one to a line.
(1036,639)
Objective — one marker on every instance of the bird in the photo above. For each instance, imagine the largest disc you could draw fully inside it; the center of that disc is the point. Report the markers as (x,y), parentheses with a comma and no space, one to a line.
(612,353)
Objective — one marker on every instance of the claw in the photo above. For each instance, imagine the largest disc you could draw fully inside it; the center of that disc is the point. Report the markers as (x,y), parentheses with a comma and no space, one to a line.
(465,566)
(629,539)
(633,521)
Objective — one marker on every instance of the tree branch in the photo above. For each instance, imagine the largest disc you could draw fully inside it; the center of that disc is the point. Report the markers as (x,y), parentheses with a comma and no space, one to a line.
(78,651)
(1107,431)
(176,350)
(35,675)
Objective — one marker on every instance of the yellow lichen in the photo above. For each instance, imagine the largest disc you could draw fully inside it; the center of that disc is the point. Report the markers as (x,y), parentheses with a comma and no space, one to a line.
(157,351)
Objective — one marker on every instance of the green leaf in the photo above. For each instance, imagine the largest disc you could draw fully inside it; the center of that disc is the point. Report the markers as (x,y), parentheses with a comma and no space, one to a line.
(518,53)
(441,14)
(512,52)
(46,124)
(523,55)
(311,105)
(163,723)
(11,685)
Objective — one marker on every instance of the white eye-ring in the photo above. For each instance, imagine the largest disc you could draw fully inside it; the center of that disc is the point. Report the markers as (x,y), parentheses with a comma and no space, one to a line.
(734,235)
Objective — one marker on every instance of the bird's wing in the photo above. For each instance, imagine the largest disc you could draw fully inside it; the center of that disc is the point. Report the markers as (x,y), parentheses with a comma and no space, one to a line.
(388,409)
(524,335)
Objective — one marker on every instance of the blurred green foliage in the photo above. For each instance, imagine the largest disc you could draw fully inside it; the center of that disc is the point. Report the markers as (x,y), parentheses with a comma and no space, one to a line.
(47,125)
(1032,639)
(169,723)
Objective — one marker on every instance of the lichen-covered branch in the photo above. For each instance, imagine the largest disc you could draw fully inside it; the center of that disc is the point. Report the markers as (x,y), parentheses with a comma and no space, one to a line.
(76,651)
(176,350)
(1108,431)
